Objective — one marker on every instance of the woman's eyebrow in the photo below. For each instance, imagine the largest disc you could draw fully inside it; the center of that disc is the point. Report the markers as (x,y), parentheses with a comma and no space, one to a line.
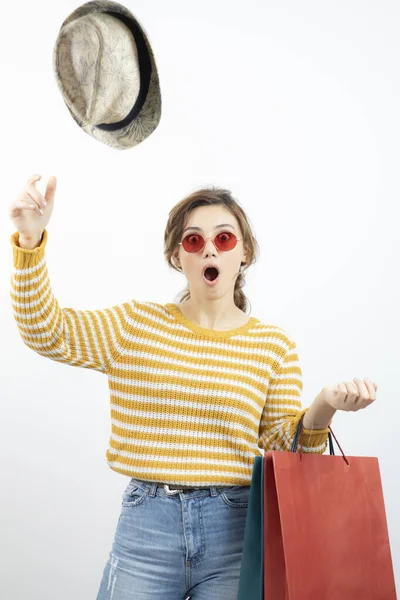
(217,227)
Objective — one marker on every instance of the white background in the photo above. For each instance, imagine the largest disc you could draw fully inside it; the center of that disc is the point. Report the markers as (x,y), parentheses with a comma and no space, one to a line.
(294,107)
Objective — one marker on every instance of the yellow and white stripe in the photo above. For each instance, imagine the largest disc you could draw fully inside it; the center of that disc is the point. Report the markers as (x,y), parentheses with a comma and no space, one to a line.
(188,405)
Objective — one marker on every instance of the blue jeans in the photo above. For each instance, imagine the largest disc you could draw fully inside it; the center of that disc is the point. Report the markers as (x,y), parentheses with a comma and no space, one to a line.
(174,547)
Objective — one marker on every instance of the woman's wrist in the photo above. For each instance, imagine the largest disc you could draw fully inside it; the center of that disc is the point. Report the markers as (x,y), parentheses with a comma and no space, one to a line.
(30,243)
(319,415)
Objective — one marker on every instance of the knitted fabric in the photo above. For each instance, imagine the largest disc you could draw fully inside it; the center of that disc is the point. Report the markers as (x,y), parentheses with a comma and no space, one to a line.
(188,405)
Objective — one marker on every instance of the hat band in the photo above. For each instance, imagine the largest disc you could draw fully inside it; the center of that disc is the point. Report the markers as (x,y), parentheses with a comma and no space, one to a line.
(145,74)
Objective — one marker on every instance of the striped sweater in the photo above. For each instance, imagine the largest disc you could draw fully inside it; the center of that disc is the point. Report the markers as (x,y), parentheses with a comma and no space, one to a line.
(189,406)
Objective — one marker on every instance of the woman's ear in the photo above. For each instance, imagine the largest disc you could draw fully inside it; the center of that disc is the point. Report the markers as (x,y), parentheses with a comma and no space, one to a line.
(176,261)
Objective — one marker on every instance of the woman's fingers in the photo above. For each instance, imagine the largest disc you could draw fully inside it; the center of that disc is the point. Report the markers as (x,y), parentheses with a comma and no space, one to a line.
(360,394)
(32,179)
(36,195)
(33,192)
(28,202)
(51,188)
(22,204)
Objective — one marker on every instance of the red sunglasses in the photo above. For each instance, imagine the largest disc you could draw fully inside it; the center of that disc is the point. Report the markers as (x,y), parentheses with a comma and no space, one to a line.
(224,241)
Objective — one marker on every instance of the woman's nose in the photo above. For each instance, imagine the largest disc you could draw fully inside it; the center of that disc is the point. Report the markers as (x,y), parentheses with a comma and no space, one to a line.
(209,246)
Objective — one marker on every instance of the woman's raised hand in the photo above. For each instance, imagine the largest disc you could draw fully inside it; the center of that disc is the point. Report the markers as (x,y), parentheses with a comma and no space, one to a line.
(31,211)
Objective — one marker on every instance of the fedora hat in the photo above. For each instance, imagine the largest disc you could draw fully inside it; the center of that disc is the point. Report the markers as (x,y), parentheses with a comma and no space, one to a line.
(106,71)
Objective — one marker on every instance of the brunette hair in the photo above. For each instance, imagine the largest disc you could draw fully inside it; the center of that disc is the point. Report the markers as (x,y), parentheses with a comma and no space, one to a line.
(177,220)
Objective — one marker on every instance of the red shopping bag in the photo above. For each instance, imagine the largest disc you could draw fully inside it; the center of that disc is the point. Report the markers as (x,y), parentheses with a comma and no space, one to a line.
(325,529)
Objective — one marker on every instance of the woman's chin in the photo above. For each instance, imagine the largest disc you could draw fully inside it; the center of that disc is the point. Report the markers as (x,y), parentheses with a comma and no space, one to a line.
(210,283)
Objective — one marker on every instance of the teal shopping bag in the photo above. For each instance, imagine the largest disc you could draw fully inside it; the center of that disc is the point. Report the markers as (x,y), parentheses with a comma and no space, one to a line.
(251,582)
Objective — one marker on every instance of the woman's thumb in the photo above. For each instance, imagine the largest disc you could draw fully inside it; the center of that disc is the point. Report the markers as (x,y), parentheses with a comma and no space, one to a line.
(51,188)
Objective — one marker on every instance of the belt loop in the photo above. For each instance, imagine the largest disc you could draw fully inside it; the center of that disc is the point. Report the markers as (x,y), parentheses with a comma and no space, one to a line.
(153,489)
(213,491)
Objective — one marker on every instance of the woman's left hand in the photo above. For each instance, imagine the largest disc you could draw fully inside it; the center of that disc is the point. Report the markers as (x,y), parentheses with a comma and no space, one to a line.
(350,395)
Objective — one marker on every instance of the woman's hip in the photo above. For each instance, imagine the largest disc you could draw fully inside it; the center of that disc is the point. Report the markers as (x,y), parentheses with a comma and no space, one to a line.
(170,542)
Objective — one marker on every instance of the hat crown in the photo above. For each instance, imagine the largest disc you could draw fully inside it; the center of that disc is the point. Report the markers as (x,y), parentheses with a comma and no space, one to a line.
(101,68)
(106,71)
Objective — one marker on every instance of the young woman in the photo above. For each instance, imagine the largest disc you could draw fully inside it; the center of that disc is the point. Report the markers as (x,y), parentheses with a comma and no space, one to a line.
(197,390)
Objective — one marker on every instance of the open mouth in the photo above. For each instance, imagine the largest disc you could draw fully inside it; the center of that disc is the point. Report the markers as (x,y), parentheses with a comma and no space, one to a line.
(211,273)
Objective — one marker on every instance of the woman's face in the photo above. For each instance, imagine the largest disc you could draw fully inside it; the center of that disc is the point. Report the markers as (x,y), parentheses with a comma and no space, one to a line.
(208,219)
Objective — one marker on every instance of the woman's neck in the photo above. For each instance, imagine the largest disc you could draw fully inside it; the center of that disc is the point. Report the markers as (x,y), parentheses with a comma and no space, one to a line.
(236,317)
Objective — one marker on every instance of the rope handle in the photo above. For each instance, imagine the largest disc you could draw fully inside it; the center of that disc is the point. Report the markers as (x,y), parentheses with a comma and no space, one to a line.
(299,433)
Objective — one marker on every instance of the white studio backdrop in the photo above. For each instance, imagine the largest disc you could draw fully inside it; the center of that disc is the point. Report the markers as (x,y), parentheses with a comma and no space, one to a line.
(292,106)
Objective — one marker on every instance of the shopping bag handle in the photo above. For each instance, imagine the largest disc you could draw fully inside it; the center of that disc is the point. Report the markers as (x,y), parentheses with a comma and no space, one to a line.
(299,433)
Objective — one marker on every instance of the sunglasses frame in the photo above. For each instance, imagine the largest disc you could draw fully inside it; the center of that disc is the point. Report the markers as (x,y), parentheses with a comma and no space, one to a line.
(205,239)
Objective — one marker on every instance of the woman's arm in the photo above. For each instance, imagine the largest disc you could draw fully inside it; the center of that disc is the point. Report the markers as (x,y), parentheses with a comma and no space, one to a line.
(82,338)
(283,410)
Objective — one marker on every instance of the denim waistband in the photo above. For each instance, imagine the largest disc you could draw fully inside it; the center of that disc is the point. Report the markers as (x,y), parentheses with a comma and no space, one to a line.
(174,487)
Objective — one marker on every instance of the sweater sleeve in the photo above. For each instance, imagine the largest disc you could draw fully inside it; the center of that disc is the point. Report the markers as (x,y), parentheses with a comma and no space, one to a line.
(83,338)
(283,410)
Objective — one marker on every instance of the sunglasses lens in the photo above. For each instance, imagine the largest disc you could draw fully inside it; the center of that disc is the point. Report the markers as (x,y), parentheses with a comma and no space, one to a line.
(193,243)
(224,241)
